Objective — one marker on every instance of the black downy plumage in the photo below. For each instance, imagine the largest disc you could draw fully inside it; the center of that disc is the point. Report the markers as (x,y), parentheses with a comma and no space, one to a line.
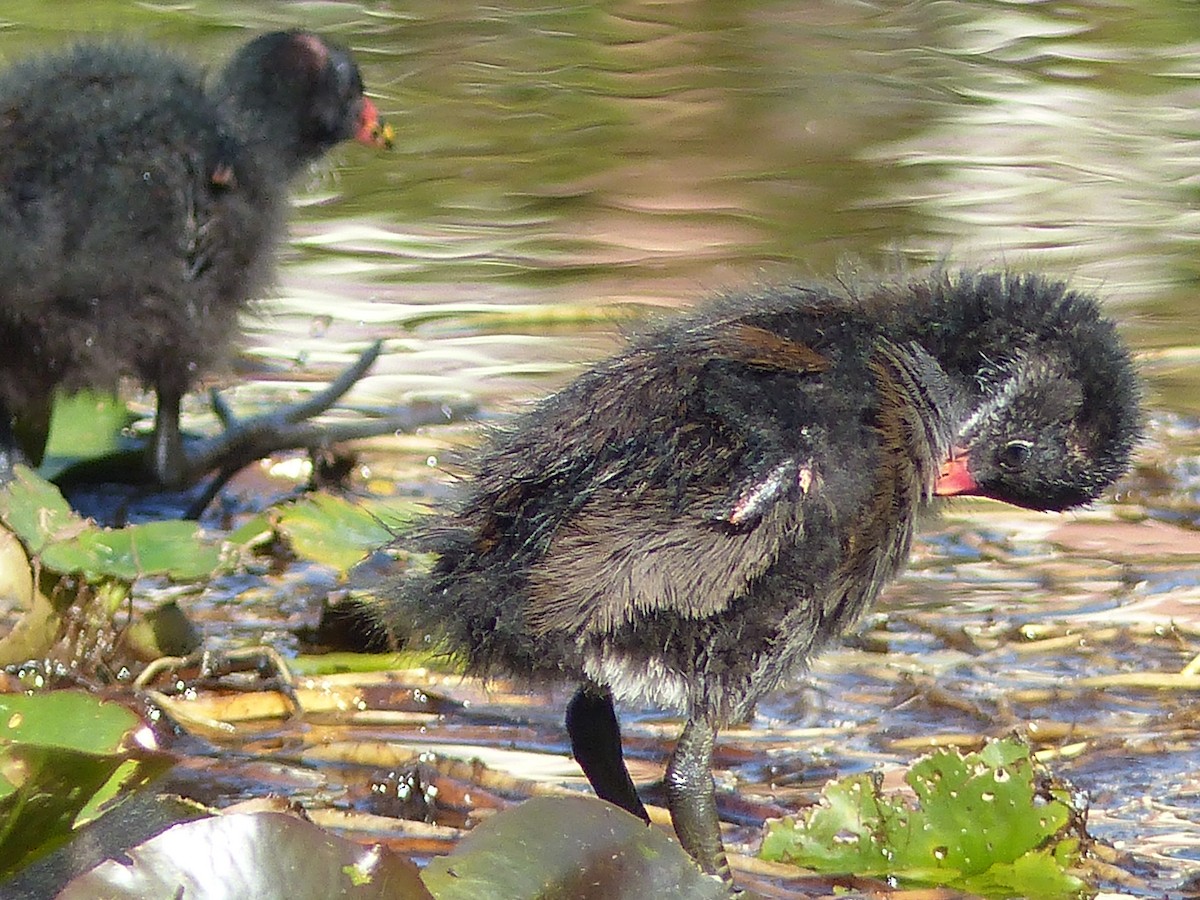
(140,211)
(688,522)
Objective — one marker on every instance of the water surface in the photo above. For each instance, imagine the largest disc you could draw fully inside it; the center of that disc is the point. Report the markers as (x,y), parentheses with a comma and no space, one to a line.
(563,168)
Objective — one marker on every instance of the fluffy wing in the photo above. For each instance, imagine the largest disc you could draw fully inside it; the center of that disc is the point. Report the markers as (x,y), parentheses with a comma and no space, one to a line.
(701,501)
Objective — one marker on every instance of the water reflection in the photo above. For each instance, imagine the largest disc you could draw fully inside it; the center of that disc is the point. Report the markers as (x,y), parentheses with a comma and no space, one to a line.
(560,167)
(569,154)
(653,154)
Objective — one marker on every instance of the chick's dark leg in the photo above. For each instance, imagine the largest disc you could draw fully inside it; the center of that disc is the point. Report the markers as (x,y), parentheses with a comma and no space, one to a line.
(10,455)
(23,436)
(168,463)
(692,799)
(596,744)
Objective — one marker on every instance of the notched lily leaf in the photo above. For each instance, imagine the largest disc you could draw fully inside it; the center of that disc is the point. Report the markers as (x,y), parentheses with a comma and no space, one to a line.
(986,822)
(66,543)
(556,848)
(99,565)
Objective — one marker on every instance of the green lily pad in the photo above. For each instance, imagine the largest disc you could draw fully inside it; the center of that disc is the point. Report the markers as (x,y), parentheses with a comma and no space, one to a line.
(66,543)
(72,720)
(985,822)
(337,533)
(557,848)
(269,856)
(35,510)
(175,549)
(83,426)
(65,755)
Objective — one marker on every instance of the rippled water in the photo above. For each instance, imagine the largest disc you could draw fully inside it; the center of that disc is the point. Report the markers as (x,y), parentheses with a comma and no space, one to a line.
(559,168)
(654,153)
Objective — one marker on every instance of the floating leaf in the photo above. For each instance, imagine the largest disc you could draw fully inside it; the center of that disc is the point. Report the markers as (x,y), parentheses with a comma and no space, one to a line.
(269,856)
(83,426)
(568,847)
(66,543)
(337,533)
(64,754)
(73,720)
(35,510)
(985,822)
(175,549)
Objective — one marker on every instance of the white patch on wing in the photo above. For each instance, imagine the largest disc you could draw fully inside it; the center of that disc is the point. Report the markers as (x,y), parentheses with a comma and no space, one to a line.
(753,502)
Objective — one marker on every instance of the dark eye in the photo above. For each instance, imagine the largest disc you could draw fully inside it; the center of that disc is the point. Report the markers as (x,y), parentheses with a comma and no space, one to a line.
(1014,454)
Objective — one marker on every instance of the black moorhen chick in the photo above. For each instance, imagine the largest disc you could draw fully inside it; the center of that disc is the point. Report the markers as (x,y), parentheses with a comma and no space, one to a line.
(687,523)
(140,211)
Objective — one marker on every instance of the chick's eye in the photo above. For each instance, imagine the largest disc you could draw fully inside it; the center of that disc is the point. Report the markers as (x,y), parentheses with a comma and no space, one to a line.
(1015,454)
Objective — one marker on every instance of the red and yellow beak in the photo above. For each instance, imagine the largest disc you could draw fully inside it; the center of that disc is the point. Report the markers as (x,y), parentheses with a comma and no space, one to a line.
(955,476)
(371,130)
